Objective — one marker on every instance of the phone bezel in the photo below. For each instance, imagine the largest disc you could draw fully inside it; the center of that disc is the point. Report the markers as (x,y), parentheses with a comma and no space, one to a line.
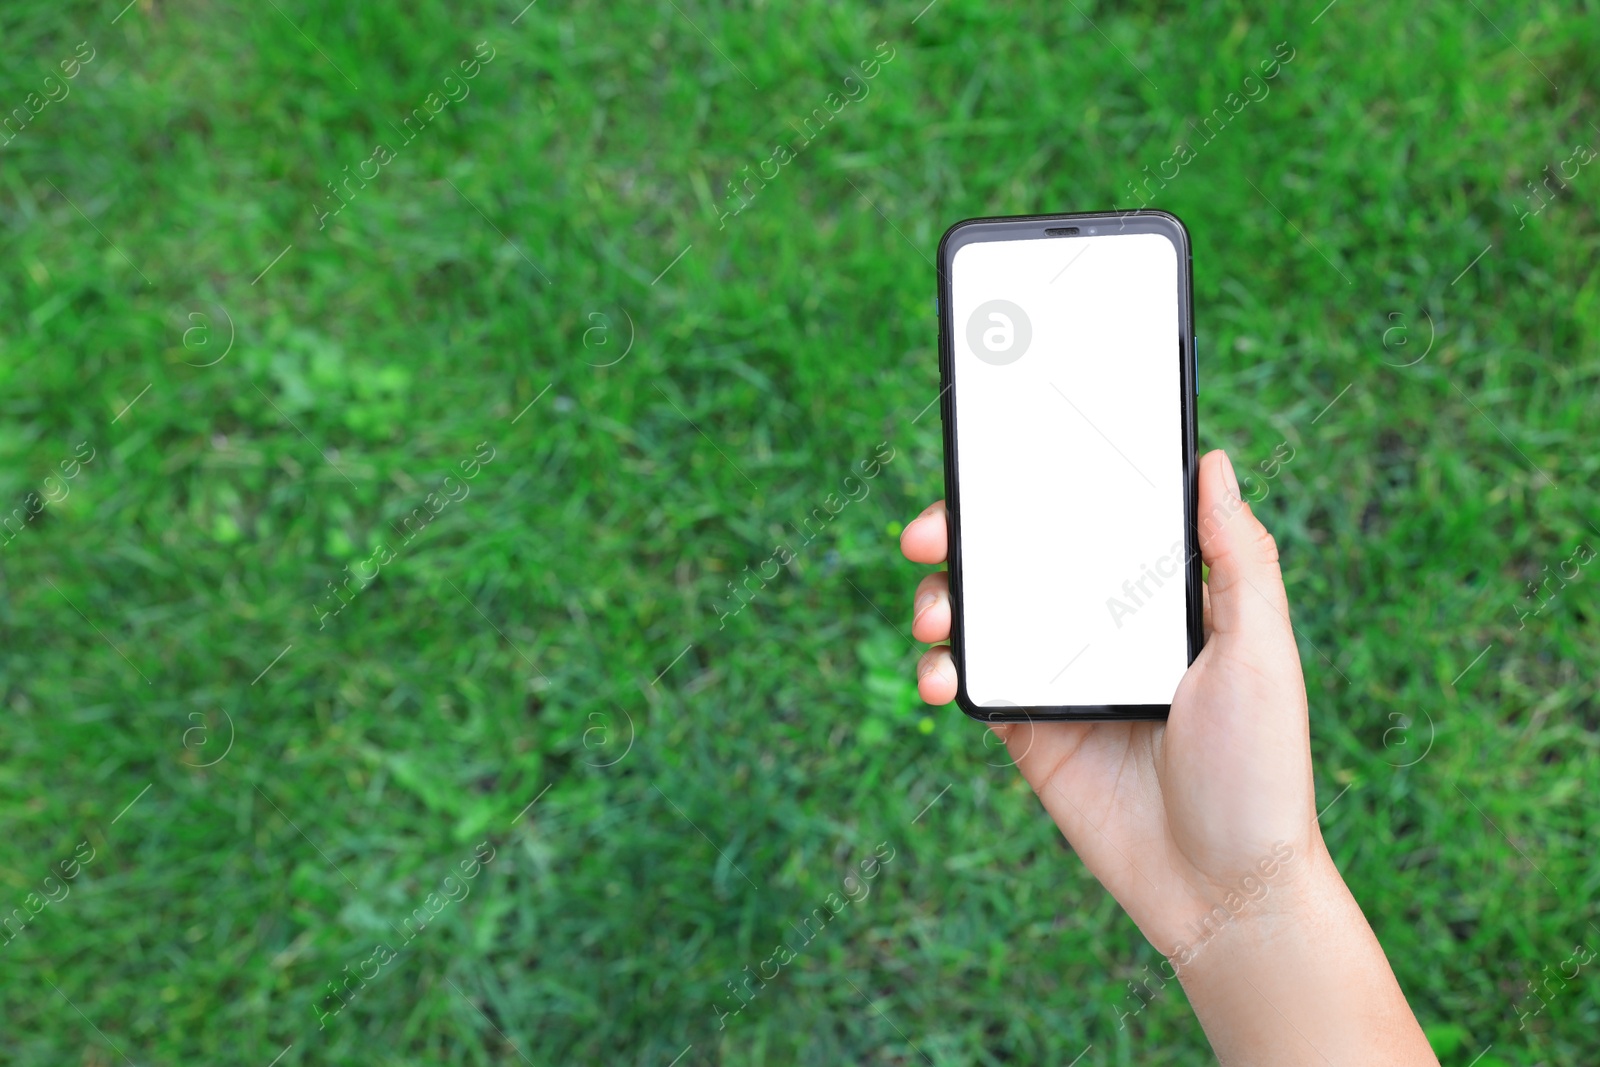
(1024,227)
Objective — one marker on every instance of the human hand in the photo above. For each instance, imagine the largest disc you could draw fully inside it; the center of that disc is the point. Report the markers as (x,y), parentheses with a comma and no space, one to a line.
(1174,817)
(1186,818)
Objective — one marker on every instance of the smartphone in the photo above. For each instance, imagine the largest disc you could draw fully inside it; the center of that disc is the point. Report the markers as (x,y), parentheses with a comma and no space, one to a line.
(1067,366)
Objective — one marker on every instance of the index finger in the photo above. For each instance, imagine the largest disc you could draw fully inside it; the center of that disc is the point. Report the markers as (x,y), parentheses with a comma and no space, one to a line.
(927,539)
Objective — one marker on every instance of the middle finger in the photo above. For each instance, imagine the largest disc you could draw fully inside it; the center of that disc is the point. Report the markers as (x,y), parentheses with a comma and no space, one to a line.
(931,608)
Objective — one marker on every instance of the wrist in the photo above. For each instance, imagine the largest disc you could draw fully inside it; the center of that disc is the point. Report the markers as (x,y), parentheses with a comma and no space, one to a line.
(1300,978)
(1286,882)
(1298,897)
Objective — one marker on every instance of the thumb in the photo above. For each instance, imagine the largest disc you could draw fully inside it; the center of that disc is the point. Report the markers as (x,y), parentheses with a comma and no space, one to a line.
(1245,583)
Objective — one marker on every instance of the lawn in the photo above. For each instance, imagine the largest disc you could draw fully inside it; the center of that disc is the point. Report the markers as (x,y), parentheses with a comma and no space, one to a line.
(392,392)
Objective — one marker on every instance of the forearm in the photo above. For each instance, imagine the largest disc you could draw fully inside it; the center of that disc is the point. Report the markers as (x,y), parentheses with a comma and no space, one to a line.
(1302,980)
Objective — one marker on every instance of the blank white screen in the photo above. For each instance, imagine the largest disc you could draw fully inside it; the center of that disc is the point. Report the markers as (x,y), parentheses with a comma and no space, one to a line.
(1070,466)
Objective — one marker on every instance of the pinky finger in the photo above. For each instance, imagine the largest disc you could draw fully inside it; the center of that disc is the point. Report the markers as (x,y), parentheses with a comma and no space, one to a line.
(936,675)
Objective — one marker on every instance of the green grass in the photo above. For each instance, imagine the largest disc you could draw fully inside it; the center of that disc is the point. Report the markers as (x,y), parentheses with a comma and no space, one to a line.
(503,652)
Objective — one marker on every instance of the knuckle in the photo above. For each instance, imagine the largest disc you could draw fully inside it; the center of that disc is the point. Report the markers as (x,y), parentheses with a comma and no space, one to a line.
(1265,546)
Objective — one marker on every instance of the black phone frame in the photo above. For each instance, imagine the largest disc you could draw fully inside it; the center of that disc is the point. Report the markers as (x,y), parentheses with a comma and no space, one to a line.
(1025,227)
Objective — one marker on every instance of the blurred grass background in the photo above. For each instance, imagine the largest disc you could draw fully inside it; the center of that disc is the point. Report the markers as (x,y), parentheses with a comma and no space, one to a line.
(298,788)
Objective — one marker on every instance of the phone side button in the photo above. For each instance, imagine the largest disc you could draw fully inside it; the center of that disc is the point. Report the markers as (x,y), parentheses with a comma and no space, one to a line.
(1194,361)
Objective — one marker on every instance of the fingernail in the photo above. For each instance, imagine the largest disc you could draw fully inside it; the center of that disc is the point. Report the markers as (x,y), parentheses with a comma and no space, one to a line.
(924,665)
(1229,480)
(924,602)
